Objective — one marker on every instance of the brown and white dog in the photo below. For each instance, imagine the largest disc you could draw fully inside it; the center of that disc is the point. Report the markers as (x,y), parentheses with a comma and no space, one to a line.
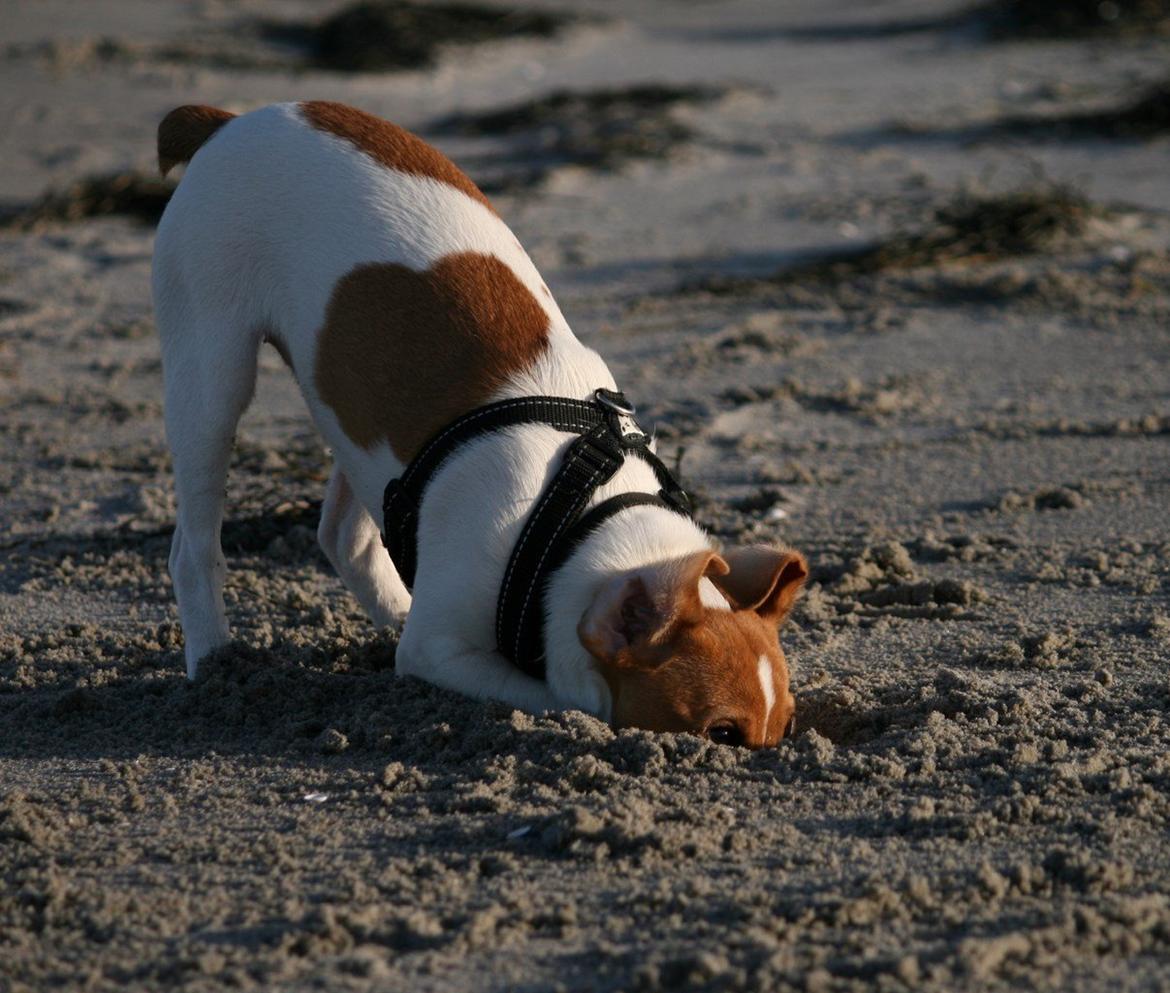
(401,301)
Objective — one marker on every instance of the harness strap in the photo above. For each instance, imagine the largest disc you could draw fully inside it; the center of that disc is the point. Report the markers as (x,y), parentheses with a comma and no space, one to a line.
(591,461)
(403,496)
(556,525)
(528,639)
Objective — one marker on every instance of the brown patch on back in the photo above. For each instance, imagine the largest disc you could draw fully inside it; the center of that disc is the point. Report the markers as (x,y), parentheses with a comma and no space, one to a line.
(404,353)
(392,146)
(184,131)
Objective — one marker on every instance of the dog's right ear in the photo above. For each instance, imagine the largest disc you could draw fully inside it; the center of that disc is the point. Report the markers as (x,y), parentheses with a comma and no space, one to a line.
(631,620)
(764,579)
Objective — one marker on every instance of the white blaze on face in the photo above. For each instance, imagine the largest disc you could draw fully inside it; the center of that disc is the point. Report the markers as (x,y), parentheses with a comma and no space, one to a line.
(765,671)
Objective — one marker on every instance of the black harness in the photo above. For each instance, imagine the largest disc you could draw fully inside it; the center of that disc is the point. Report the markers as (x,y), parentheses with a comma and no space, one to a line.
(557,524)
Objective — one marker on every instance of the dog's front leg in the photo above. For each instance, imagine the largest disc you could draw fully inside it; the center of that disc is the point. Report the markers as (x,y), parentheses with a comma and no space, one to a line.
(453,664)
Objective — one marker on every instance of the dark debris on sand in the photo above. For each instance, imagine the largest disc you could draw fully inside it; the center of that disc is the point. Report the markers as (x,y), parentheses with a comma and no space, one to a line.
(1039,19)
(968,230)
(1012,20)
(378,35)
(128,194)
(601,128)
(979,229)
(1145,115)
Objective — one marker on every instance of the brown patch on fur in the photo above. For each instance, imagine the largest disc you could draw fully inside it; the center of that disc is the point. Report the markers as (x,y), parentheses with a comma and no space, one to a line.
(184,131)
(403,353)
(392,146)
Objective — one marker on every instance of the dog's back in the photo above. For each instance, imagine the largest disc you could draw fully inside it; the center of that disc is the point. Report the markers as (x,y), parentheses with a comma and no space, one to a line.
(386,279)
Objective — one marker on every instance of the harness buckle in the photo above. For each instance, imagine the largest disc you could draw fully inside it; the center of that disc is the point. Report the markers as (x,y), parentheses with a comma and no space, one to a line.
(601,449)
(615,401)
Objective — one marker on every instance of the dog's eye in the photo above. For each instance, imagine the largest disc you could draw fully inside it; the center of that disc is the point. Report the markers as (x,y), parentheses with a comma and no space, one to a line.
(725,734)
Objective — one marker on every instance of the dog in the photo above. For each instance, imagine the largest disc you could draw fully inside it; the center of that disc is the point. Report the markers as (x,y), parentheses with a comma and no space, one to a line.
(402,302)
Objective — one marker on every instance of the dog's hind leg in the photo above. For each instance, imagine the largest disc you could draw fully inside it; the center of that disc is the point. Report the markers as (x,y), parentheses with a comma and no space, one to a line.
(353,544)
(209,372)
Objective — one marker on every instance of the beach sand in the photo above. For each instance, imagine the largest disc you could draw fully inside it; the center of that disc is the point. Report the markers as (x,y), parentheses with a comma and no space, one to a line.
(966,430)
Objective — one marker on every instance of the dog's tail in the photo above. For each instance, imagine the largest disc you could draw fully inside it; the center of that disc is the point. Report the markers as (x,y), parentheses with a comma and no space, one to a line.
(184,130)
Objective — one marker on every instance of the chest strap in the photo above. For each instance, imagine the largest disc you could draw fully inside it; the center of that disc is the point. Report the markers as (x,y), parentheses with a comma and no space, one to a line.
(520,619)
(555,525)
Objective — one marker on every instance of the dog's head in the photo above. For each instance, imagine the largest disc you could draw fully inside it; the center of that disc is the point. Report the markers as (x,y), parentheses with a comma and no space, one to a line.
(692,644)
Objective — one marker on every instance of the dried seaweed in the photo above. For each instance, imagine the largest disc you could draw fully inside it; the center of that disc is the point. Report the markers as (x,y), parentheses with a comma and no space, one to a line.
(128,194)
(601,128)
(1146,115)
(379,35)
(1040,19)
(979,229)
(968,230)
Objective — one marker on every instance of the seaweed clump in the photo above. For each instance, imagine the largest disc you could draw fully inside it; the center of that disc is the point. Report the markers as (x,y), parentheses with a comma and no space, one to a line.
(378,35)
(1144,116)
(128,194)
(968,230)
(600,128)
(1039,19)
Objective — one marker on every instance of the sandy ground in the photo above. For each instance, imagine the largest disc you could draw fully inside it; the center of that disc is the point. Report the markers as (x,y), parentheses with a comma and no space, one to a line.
(972,453)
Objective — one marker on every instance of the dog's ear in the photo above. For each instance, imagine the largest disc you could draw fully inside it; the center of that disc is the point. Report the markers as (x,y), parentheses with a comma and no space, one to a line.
(634,615)
(764,579)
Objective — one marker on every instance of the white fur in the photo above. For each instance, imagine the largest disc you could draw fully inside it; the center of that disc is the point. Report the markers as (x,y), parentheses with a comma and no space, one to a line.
(270,214)
(710,597)
(764,668)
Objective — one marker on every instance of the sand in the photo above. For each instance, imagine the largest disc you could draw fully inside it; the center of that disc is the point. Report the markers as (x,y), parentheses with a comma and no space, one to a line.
(971,446)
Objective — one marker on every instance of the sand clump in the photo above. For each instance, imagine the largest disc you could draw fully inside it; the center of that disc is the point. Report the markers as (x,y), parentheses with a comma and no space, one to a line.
(894,395)
(859,585)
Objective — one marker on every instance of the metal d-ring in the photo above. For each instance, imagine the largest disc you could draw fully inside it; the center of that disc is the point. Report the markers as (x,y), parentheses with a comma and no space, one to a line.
(614,401)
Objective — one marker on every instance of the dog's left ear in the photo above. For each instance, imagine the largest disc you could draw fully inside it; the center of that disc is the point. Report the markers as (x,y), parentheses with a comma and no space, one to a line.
(764,579)
(633,617)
